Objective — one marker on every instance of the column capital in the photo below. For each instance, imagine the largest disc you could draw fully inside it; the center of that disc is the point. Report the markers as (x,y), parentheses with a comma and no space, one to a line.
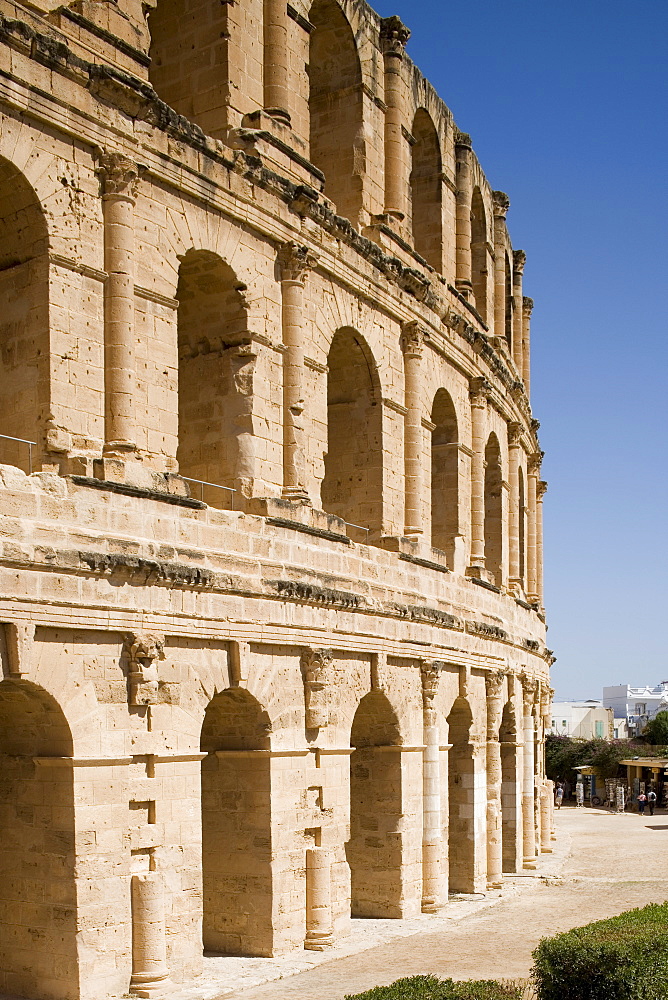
(119,175)
(529,691)
(514,434)
(479,391)
(463,140)
(393,36)
(295,261)
(430,671)
(501,203)
(494,685)
(534,463)
(546,696)
(316,665)
(413,338)
(519,260)
(527,305)
(143,650)
(541,490)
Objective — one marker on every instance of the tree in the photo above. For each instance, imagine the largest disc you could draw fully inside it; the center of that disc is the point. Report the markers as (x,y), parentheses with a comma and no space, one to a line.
(656,730)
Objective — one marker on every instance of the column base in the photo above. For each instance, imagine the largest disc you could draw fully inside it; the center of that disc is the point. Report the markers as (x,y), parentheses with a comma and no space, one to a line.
(495,885)
(319,940)
(432,905)
(295,493)
(530,863)
(479,573)
(546,850)
(150,985)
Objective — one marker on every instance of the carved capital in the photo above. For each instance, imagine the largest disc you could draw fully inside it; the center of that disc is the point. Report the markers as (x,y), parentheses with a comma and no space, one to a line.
(144,649)
(529,691)
(316,665)
(479,391)
(495,682)
(413,337)
(393,35)
(119,175)
(546,696)
(501,203)
(527,305)
(541,489)
(295,261)
(519,260)
(430,671)
(534,462)
(19,637)
(463,139)
(514,434)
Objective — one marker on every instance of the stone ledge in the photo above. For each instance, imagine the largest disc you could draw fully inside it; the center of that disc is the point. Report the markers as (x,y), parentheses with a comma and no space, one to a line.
(137,491)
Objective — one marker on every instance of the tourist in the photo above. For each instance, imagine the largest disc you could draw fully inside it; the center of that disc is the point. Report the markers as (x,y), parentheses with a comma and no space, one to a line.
(642,802)
(559,795)
(651,801)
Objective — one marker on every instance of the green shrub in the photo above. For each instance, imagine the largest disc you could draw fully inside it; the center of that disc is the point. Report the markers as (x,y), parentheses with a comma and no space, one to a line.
(431,988)
(623,958)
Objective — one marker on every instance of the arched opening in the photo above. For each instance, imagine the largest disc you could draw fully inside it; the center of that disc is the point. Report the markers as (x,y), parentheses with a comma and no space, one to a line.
(479,252)
(508,304)
(493,510)
(190,65)
(511,792)
(236,826)
(24,320)
(38,947)
(353,482)
(425,186)
(374,850)
(522,522)
(214,403)
(444,475)
(461,794)
(335,108)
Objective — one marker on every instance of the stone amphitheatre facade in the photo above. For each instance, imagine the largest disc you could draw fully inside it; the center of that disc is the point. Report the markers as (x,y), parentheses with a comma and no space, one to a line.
(273,645)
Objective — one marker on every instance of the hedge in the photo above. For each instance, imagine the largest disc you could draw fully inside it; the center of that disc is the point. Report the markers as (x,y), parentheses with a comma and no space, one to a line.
(431,988)
(623,958)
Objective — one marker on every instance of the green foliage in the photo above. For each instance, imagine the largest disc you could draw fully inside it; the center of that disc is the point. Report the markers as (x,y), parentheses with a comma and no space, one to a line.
(564,753)
(624,958)
(656,730)
(431,988)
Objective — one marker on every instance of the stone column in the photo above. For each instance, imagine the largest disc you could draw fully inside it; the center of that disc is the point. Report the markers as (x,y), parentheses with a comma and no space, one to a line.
(393,37)
(541,490)
(295,262)
(479,390)
(529,687)
(412,344)
(495,687)
(533,472)
(463,196)
(519,260)
(319,928)
(527,306)
(432,899)
(276,61)
(119,183)
(150,975)
(501,203)
(514,574)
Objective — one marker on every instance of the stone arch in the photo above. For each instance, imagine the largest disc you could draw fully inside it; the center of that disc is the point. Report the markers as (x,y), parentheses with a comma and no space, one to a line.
(493,510)
(522,525)
(511,791)
(336,136)
(461,793)
(38,950)
(215,432)
(444,475)
(353,481)
(236,826)
(479,252)
(374,850)
(426,189)
(24,320)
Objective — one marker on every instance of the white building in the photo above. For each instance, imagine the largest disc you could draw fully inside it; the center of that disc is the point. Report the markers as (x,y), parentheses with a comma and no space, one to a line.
(636,704)
(586,720)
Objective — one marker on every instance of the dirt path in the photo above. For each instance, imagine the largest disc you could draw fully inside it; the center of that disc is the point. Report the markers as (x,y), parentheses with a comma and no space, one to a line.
(609,868)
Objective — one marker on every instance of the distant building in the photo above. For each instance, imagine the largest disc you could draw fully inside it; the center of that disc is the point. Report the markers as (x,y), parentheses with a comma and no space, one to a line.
(586,720)
(637,705)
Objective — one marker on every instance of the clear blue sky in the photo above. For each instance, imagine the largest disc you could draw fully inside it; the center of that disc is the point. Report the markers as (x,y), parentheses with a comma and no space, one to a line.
(567,105)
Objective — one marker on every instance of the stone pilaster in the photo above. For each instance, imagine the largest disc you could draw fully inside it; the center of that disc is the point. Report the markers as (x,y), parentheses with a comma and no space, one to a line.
(464,194)
(541,490)
(276,61)
(319,926)
(527,307)
(393,38)
(495,685)
(316,665)
(515,581)
(529,689)
(533,473)
(479,394)
(412,343)
(519,260)
(295,262)
(501,203)
(119,177)
(432,889)
(150,975)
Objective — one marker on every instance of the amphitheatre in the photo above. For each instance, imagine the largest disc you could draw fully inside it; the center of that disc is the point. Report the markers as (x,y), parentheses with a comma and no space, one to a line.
(273,638)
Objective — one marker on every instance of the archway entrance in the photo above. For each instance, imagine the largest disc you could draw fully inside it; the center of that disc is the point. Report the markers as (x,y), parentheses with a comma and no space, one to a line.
(374,850)
(38,904)
(511,792)
(236,826)
(461,799)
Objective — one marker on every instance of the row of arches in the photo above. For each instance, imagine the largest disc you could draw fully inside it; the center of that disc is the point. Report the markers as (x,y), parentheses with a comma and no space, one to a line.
(39,906)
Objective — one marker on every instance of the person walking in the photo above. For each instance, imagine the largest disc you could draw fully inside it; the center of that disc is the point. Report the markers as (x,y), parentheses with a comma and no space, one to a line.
(651,801)
(559,795)
(642,802)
